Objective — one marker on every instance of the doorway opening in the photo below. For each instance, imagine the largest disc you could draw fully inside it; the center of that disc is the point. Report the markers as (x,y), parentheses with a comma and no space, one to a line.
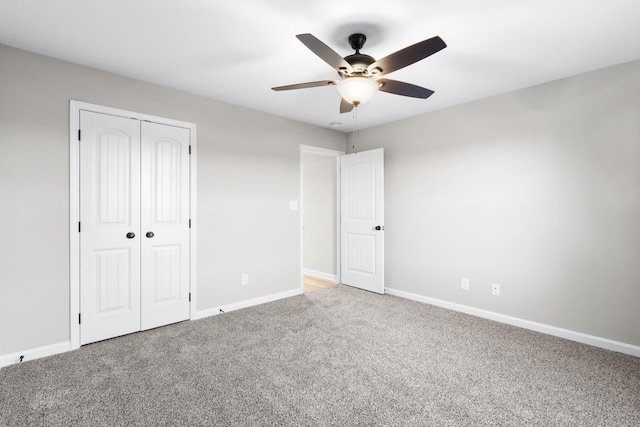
(319,217)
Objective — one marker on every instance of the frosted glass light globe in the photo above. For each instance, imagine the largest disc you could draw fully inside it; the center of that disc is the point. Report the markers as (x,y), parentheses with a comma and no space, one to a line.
(357,90)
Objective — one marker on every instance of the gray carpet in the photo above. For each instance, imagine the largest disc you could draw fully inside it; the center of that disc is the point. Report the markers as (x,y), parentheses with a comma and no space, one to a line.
(336,356)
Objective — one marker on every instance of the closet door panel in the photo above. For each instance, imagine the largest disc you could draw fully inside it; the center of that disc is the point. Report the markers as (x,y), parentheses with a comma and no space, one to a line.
(165,224)
(109,224)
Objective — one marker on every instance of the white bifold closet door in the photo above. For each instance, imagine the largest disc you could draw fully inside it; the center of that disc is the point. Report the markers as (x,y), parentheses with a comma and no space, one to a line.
(134,219)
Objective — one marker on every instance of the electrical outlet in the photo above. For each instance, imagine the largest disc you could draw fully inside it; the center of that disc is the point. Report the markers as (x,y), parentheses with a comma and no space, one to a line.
(464,283)
(244,279)
(495,290)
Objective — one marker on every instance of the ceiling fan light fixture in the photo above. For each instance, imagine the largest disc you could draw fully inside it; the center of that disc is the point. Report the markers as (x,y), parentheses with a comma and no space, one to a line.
(360,73)
(357,90)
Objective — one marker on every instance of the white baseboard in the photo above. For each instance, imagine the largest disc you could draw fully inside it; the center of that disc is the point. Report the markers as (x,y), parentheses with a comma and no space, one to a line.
(521,323)
(50,350)
(34,353)
(320,275)
(245,304)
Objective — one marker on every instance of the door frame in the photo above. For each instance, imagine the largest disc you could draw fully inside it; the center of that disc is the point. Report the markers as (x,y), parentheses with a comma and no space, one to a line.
(74,206)
(309,149)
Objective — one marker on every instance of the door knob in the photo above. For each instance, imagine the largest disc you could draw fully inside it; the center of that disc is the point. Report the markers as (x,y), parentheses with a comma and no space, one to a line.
(150,234)
(131,235)
(379,228)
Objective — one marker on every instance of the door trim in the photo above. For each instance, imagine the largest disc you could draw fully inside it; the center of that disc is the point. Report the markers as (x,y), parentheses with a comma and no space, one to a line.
(309,149)
(74,206)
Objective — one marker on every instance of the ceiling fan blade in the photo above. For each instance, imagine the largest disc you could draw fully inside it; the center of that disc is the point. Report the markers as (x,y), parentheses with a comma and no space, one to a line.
(407,56)
(306,85)
(404,89)
(325,53)
(345,106)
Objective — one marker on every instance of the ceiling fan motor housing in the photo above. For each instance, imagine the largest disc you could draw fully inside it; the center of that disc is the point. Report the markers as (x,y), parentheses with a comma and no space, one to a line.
(358,61)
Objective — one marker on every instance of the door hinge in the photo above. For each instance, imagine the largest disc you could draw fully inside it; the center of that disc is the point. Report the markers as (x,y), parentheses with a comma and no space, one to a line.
(189,296)
(189,149)
(189,223)
(79,318)
(78,226)
(79,133)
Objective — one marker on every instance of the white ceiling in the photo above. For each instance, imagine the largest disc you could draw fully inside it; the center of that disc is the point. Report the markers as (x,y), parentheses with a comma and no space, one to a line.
(235,51)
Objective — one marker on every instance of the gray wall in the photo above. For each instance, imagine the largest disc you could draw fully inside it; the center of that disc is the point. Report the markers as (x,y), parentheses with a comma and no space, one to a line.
(537,190)
(248,171)
(320,213)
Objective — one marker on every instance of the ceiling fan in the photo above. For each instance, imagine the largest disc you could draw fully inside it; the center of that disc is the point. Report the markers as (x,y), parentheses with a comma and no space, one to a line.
(360,74)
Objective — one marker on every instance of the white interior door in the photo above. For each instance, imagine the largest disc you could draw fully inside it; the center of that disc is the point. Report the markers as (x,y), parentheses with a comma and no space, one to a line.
(110,223)
(362,220)
(165,224)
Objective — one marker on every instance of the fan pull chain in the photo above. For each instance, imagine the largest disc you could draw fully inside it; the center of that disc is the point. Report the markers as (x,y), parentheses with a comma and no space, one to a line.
(355,129)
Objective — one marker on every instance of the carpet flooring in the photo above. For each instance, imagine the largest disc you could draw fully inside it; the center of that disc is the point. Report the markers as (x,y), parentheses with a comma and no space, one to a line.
(333,357)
